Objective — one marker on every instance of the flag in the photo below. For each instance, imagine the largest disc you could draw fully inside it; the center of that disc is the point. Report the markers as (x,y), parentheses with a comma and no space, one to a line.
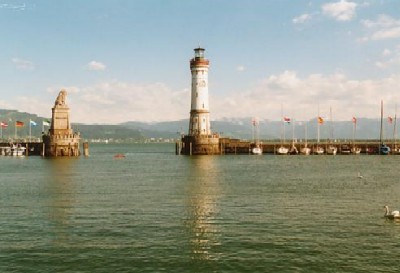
(354,120)
(320,120)
(31,122)
(19,124)
(46,123)
(3,124)
(286,120)
(390,119)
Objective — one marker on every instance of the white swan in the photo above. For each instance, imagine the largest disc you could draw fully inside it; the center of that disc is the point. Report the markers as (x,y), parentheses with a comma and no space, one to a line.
(359,175)
(395,214)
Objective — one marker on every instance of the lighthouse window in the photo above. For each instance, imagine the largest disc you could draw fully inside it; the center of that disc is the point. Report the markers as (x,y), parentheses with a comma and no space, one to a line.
(203,105)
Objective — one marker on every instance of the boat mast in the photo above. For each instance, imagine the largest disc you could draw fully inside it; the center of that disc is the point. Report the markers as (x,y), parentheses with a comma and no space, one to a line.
(380,136)
(330,124)
(395,127)
(318,126)
(282,127)
(354,131)
(305,128)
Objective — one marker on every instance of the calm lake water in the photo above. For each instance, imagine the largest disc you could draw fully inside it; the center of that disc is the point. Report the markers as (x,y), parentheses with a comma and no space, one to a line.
(154,211)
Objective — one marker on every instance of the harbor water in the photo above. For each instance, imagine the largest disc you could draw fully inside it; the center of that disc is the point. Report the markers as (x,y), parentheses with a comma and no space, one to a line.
(154,211)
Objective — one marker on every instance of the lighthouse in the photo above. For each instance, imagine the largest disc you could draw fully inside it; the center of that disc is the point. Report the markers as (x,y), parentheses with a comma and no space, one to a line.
(200,139)
(199,123)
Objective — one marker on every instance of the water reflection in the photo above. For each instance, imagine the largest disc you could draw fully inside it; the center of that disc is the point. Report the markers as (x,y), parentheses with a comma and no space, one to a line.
(60,201)
(202,205)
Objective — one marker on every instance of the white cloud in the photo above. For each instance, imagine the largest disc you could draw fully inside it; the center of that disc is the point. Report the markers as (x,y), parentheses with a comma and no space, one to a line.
(383,21)
(391,58)
(95,66)
(384,27)
(386,34)
(240,68)
(116,101)
(300,97)
(301,19)
(22,64)
(340,11)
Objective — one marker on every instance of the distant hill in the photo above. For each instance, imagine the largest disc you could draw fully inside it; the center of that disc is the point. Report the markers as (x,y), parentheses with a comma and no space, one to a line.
(243,129)
(233,128)
(88,132)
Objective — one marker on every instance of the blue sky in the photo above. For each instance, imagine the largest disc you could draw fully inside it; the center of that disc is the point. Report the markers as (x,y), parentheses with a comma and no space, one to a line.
(129,60)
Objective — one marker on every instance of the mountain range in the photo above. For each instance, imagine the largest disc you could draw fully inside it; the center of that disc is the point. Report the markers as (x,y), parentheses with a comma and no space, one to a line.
(241,128)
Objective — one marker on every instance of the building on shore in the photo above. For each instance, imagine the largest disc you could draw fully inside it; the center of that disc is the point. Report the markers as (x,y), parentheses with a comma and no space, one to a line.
(61,140)
(200,139)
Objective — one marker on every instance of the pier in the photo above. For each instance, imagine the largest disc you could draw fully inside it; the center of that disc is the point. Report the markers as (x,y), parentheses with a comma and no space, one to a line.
(32,149)
(241,147)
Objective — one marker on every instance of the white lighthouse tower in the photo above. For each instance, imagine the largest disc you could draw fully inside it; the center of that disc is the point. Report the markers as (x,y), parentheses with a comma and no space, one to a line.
(199,124)
(200,139)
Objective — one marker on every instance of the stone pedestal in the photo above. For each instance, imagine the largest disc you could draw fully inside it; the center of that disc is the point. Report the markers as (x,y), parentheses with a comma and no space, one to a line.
(61,140)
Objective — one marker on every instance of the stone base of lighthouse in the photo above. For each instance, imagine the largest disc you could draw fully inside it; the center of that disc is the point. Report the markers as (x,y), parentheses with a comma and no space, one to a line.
(199,145)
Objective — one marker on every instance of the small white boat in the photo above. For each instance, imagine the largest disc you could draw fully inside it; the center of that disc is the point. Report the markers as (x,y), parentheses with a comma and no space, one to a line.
(305,151)
(318,150)
(331,150)
(257,151)
(356,150)
(17,150)
(282,150)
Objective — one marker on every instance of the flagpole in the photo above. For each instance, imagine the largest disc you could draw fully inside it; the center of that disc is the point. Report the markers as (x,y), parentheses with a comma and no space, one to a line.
(15,126)
(30,130)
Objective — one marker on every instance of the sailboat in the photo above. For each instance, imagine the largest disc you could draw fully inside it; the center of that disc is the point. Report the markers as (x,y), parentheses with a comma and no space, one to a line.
(395,149)
(293,150)
(331,149)
(305,150)
(282,150)
(318,150)
(257,148)
(383,148)
(354,149)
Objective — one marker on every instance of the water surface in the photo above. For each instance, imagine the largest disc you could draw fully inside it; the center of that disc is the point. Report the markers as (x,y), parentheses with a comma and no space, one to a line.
(154,211)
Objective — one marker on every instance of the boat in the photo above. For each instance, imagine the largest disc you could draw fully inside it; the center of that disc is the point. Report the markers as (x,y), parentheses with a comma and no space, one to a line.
(293,149)
(305,150)
(345,149)
(318,150)
(383,148)
(257,151)
(119,156)
(282,150)
(257,148)
(17,150)
(354,149)
(395,148)
(331,149)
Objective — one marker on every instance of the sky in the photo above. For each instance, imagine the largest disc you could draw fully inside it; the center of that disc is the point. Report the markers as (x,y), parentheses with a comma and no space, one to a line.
(128,60)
